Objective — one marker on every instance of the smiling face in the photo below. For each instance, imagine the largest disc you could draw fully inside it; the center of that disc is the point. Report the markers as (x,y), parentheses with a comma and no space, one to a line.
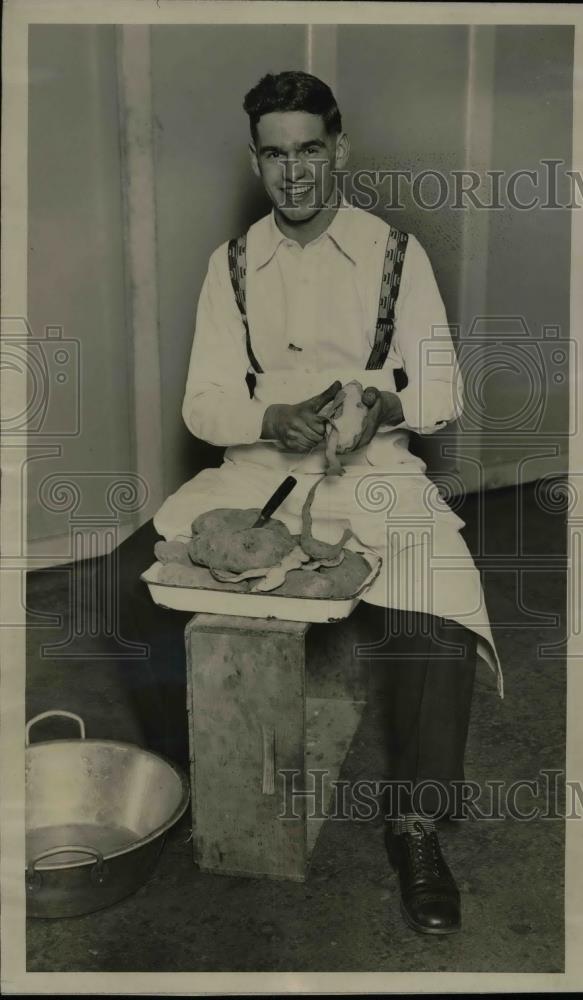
(295,157)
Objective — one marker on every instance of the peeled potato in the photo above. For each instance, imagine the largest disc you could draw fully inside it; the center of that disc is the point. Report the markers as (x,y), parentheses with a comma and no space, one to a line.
(344,425)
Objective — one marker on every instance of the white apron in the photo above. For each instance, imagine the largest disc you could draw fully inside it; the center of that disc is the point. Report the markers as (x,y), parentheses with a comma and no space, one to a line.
(398,512)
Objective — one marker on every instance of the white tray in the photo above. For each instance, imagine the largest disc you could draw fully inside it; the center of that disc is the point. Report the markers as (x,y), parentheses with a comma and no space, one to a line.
(291,609)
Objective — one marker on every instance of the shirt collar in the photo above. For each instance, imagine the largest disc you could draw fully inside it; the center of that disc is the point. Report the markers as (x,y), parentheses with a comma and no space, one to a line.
(341,231)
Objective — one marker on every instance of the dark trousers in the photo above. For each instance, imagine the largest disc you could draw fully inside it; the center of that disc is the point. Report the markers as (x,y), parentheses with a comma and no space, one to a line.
(157,680)
(422,672)
(422,668)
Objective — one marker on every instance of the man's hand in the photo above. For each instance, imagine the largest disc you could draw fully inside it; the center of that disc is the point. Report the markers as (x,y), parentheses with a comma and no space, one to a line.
(298,427)
(384,408)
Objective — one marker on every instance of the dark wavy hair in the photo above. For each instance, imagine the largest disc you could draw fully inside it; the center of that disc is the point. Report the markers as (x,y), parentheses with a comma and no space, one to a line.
(292,90)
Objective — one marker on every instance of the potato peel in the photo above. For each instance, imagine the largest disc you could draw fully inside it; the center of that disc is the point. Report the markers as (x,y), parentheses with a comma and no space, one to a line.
(325,563)
(315,548)
(275,575)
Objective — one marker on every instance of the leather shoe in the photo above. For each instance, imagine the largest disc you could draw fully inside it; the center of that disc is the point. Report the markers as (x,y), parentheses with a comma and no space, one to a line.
(430,900)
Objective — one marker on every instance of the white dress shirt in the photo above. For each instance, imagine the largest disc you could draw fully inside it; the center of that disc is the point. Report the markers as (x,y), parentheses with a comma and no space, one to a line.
(312,315)
(323,301)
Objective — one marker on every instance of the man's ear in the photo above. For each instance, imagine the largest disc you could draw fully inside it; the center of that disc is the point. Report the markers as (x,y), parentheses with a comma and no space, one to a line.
(342,150)
(254,162)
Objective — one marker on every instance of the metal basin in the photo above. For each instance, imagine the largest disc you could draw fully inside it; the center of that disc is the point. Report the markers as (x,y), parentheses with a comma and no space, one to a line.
(97,813)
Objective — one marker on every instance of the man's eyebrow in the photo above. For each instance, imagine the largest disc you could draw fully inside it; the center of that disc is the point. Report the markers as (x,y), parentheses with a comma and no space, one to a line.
(302,145)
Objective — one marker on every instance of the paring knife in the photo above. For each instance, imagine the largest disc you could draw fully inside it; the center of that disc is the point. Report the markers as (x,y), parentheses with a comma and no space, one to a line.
(282,491)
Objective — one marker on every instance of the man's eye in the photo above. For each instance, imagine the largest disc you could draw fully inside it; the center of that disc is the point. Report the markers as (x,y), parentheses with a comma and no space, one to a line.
(313,150)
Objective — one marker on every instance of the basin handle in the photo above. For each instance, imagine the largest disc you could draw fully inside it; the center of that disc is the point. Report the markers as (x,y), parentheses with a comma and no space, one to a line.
(34,877)
(48,715)
(268,784)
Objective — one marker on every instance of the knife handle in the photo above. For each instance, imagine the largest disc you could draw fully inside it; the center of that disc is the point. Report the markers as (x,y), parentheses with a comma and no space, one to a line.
(282,491)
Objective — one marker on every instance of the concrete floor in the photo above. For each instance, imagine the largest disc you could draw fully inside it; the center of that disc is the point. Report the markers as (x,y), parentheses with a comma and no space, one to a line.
(346,915)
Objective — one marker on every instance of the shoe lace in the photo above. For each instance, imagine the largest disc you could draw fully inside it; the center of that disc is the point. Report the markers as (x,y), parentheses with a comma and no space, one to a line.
(425,854)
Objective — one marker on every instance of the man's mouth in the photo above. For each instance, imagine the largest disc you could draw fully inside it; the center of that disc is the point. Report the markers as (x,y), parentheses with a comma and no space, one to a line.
(298,191)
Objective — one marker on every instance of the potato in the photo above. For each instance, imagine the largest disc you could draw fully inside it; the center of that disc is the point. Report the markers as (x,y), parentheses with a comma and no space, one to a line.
(176,552)
(349,576)
(345,422)
(179,575)
(304,583)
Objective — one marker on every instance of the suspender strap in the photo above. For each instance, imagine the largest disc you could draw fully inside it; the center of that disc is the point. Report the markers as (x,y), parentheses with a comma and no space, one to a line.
(237,254)
(390,284)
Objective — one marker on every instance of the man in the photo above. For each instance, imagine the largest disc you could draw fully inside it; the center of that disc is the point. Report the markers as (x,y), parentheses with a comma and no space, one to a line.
(319,293)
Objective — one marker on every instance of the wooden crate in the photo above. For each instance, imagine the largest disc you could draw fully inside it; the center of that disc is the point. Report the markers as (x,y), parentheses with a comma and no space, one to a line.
(255,735)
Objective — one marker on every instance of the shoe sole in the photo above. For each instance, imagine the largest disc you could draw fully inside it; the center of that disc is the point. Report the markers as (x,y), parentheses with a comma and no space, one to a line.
(427,930)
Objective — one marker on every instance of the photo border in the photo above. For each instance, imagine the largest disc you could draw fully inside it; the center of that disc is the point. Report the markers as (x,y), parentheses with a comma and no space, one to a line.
(18,14)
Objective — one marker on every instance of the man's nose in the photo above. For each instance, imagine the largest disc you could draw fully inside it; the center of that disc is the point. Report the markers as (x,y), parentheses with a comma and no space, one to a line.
(295,169)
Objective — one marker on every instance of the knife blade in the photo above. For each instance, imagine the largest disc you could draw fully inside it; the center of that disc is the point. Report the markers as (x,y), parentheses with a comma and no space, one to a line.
(275,501)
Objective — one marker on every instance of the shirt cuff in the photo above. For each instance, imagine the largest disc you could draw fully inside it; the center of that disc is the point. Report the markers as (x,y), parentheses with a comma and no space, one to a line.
(426,412)
(226,420)
(249,422)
